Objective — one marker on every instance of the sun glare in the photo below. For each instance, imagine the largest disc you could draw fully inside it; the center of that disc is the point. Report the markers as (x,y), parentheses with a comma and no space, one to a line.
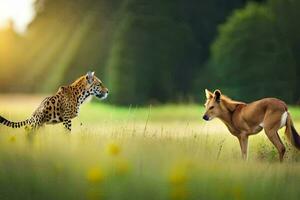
(21,12)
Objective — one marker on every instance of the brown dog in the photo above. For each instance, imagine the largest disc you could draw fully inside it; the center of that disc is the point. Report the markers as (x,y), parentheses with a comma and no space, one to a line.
(243,119)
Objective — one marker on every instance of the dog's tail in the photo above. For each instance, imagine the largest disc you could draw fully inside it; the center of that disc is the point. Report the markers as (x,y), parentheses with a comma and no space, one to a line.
(13,124)
(292,133)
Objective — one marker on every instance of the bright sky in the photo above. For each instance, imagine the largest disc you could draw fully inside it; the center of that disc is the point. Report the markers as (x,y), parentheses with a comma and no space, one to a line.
(20,11)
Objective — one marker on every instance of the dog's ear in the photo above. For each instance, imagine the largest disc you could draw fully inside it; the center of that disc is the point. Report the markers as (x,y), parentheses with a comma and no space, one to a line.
(90,77)
(208,94)
(217,95)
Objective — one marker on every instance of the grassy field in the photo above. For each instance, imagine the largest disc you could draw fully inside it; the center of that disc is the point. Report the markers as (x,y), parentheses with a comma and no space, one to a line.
(158,152)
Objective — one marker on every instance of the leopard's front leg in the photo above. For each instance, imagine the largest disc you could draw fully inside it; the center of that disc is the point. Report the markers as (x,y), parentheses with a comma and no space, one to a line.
(67,123)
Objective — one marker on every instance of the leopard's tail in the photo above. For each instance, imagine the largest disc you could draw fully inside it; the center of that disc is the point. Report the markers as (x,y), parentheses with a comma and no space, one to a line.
(13,124)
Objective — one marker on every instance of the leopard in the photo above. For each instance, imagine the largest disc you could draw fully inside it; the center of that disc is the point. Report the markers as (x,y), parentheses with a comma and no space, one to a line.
(64,105)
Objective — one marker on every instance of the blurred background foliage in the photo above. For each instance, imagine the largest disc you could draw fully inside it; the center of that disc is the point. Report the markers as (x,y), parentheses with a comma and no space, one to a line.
(158,51)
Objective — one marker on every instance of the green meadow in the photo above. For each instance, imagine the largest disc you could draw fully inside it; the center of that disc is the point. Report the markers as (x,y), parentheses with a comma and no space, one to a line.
(139,153)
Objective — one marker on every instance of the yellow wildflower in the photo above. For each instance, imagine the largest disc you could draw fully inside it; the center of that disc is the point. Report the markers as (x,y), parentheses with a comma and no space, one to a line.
(113,149)
(95,175)
(12,138)
(178,176)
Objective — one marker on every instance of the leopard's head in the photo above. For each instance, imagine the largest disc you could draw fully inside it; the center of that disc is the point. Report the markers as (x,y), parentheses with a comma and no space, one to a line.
(95,86)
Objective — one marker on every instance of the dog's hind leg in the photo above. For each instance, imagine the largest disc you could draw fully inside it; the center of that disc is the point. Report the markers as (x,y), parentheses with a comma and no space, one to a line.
(275,139)
(272,124)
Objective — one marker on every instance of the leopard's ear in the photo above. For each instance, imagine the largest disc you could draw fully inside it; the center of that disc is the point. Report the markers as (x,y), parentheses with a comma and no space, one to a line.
(90,77)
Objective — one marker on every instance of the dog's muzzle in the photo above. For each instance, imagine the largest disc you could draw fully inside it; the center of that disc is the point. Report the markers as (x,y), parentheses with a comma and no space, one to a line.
(205,117)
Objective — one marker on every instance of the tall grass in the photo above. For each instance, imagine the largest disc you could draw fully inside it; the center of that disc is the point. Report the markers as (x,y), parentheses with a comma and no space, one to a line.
(165,152)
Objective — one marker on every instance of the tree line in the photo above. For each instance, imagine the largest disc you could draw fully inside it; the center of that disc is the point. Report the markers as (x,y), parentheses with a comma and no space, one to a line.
(158,51)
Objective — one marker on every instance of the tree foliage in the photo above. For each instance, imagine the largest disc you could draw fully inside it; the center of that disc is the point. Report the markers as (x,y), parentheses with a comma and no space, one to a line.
(158,51)
(145,51)
(160,47)
(252,57)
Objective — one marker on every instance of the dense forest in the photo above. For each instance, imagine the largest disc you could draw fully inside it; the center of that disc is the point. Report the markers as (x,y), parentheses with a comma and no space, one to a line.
(158,51)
